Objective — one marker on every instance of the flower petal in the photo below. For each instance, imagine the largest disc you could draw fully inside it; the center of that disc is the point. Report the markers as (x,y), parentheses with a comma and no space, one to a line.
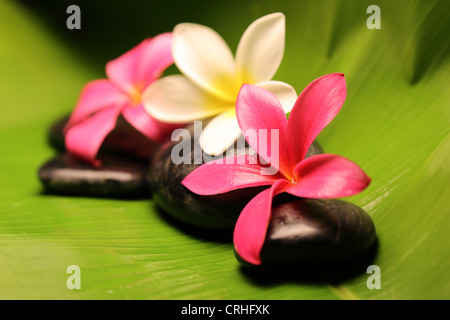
(261,118)
(316,106)
(176,99)
(96,95)
(84,139)
(251,226)
(147,125)
(220,133)
(238,172)
(155,58)
(203,56)
(328,176)
(284,92)
(137,68)
(261,49)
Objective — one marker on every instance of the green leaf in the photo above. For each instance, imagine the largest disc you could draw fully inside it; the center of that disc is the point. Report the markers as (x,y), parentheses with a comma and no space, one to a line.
(395,124)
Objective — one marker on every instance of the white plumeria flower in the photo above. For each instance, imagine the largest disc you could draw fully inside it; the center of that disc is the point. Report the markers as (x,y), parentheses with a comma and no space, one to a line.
(211,78)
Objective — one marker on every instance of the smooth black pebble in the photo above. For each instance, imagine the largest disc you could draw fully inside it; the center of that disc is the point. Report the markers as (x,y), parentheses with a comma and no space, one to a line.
(116,177)
(215,212)
(310,231)
(125,155)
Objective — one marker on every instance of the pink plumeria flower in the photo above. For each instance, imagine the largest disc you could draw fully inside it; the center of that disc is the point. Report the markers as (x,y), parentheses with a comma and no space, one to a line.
(102,101)
(319,176)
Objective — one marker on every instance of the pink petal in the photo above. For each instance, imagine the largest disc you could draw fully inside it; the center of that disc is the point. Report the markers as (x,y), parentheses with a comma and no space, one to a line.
(251,226)
(84,139)
(147,125)
(96,95)
(328,176)
(142,65)
(259,114)
(314,109)
(228,174)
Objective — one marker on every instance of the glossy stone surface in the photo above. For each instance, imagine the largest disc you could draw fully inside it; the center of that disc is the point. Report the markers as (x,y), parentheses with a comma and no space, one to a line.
(310,231)
(116,177)
(212,212)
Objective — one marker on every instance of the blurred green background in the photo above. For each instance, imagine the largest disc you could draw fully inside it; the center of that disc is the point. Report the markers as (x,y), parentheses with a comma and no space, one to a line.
(394,124)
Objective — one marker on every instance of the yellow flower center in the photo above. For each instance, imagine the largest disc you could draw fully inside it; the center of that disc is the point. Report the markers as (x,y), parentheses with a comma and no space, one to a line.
(135,94)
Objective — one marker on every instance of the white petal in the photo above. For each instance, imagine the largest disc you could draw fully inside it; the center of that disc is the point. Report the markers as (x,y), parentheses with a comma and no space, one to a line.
(202,55)
(261,49)
(220,133)
(176,99)
(284,92)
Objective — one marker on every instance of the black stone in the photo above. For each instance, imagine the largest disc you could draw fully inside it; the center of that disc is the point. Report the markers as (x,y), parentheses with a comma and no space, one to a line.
(217,212)
(116,177)
(124,140)
(311,232)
